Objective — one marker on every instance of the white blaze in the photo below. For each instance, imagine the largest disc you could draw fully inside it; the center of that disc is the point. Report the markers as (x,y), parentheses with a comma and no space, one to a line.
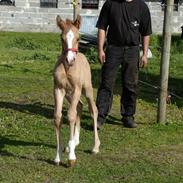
(70,37)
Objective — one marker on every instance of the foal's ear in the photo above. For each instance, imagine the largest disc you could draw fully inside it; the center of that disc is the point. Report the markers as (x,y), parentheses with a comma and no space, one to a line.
(77,22)
(60,22)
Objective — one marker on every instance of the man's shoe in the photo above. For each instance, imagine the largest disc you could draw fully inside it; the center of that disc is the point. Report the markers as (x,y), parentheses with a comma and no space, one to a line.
(99,125)
(100,122)
(128,122)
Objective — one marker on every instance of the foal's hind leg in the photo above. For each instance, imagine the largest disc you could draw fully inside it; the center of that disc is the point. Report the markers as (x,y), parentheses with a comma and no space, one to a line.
(59,97)
(94,114)
(77,125)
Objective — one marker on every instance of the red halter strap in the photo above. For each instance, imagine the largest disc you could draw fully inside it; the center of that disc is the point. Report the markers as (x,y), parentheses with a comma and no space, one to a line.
(71,49)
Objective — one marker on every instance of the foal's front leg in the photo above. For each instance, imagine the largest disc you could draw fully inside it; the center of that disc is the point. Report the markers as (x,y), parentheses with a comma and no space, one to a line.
(59,97)
(77,123)
(72,117)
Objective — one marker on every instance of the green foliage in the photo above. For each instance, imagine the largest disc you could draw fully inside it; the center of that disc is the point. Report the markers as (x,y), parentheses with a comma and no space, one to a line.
(177,45)
(156,43)
(33,57)
(92,55)
(24,43)
(32,41)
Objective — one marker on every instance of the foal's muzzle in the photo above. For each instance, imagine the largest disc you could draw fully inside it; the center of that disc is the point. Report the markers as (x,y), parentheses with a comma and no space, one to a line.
(71,55)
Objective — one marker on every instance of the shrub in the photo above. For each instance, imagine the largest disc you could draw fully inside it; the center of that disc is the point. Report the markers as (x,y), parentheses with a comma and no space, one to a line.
(23,43)
(92,55)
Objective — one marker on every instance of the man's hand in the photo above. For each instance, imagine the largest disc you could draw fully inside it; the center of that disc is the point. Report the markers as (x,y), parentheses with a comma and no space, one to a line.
(101,56)
(101,41)
(143,61)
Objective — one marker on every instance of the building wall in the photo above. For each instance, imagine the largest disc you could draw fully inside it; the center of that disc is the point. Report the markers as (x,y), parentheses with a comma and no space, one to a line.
(27,15)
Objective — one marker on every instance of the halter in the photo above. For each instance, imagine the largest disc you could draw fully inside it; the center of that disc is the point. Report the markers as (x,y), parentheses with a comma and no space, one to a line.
(71,49)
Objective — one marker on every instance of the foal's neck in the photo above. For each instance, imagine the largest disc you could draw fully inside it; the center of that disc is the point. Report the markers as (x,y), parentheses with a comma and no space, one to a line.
(64,62)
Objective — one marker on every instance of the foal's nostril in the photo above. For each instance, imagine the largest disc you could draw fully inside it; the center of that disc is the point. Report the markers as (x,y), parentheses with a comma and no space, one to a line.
(70,60)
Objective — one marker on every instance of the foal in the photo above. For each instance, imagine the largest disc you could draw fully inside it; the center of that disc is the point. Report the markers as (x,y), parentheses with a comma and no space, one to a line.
(72,76)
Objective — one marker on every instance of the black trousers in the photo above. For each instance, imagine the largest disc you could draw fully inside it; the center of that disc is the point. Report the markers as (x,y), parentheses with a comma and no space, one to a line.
(128,59)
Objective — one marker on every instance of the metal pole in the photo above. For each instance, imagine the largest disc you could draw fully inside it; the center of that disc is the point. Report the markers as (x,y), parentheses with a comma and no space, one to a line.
(165,58)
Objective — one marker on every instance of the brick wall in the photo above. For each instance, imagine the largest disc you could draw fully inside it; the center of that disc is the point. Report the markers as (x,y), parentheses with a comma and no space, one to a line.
(27,15)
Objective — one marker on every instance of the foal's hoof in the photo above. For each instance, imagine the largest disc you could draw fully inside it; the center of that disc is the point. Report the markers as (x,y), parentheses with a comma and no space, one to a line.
(95,151)
(57,163)
(71,163)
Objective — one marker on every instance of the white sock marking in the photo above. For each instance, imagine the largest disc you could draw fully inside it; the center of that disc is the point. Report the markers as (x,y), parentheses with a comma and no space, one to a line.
(76,136)
(72,146)
(57,158)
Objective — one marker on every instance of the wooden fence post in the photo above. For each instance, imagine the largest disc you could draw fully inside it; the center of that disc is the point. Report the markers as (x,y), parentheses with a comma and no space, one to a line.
(165,59)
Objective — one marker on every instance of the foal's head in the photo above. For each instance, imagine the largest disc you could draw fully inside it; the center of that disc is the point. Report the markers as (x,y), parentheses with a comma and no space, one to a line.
(69,37)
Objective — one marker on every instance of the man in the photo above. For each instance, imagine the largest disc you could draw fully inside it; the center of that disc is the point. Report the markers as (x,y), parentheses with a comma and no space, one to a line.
(125,22)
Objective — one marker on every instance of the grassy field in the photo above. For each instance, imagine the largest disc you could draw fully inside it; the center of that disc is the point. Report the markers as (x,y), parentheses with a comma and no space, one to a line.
(152,153)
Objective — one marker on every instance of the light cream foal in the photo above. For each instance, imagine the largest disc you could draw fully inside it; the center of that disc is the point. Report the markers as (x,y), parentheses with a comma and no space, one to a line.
(72,77)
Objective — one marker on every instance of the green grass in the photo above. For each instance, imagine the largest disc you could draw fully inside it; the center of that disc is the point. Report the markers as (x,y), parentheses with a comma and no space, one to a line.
(152,153)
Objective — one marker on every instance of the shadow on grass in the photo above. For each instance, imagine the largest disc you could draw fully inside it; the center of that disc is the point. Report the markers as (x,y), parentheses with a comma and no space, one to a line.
(35,108)
(114,121)
(46,111)
(8,141)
